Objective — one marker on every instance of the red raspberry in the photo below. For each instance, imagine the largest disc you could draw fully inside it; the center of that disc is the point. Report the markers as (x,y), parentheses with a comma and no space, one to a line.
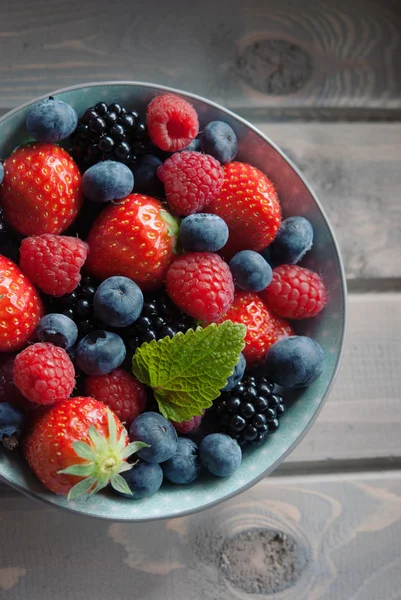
(188,426)
(124,394)
(172,122)
(53,262)
(201,284)
(191,181)
(263,328)
(295,292)
(44,373)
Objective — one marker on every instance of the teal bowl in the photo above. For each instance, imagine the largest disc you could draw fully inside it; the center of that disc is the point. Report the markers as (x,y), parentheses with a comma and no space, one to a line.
(328,328)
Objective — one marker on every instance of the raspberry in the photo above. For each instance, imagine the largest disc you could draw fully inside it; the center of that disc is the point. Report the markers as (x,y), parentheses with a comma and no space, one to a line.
(263,327)
(295,292)
(124,394)
(201,284)
(191,181)
(172,122)
(53,262)
(188,426)
(44,373)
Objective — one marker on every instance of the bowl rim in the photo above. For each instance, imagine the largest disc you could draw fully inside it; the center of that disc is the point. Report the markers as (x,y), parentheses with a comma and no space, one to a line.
(302,434)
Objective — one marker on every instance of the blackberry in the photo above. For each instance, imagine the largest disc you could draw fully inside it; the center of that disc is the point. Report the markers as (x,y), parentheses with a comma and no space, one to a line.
(109,132)
(79,306)
(9,242)
(159,318)
(250,411)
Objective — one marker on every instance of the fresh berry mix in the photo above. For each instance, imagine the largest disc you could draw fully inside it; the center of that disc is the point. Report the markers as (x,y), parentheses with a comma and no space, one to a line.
(159,318)
(295,292)
(158,302)
(191,181)
(250,411)
(109,132)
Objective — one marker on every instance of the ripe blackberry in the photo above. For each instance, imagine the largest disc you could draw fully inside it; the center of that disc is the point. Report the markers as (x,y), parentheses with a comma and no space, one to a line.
(109,132)
(159,318)
(250,411)
(9,242)
(79,306)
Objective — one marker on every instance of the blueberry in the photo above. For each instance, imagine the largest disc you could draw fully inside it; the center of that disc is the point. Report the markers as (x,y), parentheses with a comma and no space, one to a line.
(203,233)
(219,140)
(194,146)
(145,173)
(51,120)
(250,271)
(11,423)
(184,465)
(238,374)
(144,480)
(57,329)
(294,361)
(106,181)
(1,173)
(155,430)
(293,240)
(100,352)
(220,454)
(118,301)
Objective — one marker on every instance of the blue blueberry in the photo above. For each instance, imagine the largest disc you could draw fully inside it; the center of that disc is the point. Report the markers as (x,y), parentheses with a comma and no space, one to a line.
(250,271)
(57,329)
(106,181)
(100,352)
(155,430)
(293,240)
(118,301)
(220,454)
(184,465)
(238,374)
(51,120)
(145,173)
(194,146)
(219,140)
(144,480)
(1,173)
(11,422)
(203,233)
(294,361)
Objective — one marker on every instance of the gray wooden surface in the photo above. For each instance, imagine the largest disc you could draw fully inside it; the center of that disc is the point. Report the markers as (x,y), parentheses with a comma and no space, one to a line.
(318,77)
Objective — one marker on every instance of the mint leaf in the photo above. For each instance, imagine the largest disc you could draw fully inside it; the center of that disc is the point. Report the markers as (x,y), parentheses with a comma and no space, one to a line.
(188,371)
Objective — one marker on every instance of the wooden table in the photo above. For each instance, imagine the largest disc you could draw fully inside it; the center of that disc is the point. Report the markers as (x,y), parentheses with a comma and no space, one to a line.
(322,79)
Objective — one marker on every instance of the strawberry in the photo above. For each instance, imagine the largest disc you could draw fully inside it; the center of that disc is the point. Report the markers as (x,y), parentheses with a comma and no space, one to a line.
(263,326)
(20,307)
(249,205)
(41,190)
(135,238)
(79,446)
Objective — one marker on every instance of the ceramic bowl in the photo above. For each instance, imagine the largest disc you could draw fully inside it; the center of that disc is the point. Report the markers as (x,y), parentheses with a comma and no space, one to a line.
(303,406)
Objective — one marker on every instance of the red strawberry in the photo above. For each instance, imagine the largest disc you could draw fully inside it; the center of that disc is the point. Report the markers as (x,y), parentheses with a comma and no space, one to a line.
(249,205)
(53,262)
(20,307)
(295,292)
(263,328)
(124,394)
(79,446)
(135,238)
(41,190)
(201,284)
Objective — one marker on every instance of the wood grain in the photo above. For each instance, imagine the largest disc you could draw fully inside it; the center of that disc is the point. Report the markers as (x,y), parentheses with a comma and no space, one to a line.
(347,531)
(353,48)
(354,170)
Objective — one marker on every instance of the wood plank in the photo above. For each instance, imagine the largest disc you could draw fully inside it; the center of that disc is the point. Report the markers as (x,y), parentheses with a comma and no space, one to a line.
(271,53)
(332,537)
(354,170)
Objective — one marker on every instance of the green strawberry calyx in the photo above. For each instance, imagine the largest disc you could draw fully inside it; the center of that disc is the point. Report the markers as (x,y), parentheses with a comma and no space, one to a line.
(106,459)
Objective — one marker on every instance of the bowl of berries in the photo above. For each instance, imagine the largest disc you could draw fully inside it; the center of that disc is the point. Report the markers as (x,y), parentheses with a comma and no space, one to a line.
(172,302)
